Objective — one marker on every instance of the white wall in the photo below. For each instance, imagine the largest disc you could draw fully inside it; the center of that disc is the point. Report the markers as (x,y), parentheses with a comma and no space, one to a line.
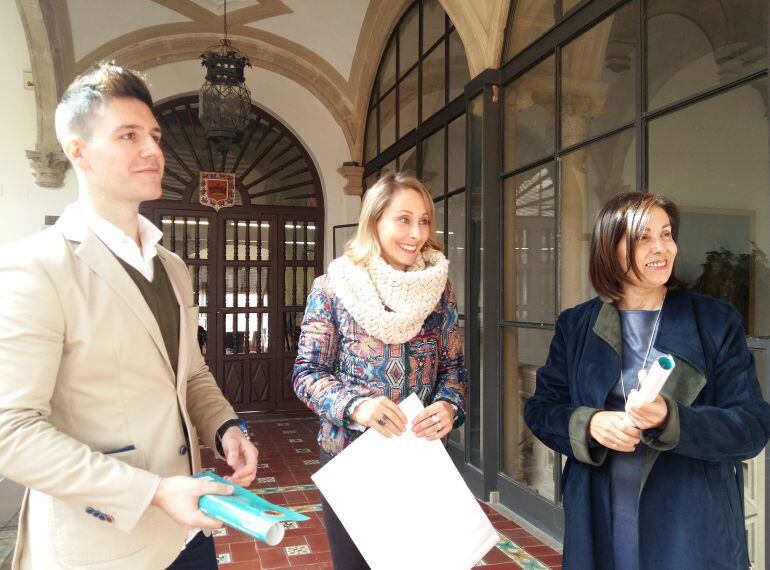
(299,110)
(23,206)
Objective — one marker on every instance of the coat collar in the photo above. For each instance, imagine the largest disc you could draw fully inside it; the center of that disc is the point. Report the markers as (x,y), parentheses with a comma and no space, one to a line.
(92,251)
(677,332)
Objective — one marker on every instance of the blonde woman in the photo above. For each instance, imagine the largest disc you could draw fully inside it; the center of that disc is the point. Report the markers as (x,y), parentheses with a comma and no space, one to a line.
(380,325)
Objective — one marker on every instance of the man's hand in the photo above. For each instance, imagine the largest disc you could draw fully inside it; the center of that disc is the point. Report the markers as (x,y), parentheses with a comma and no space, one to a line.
(241,455)
(178,498)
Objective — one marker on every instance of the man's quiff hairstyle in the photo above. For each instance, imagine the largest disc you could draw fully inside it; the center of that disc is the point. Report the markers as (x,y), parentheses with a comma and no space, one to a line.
(365,244)
(625,216)
(85,95)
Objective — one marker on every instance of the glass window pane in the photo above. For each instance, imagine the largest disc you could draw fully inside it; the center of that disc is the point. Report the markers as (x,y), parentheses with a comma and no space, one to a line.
(388,120)
(292,324)
(440,222)
(711,158)
(459,74)
(433,23)
(408,40)
(407,162)
(371,135)
(258,332)
(692,46)
(407,100)
(240,228)
(230,286)
(433,163)
(165,223)
(203,286)
(388,67)
(290,278)
(178,235)
(254,235)
(264,228)
(524,458)
(203,332)
(529,245)
(258,287)
(456,154)
(589,177)
(433,88)
(203,238)
(529,116)
(531,19)
(243,286)
(598,70)
(311,241)
(456,246)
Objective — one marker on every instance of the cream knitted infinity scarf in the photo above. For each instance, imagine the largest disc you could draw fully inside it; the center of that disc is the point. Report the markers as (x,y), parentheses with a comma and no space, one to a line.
(389,304)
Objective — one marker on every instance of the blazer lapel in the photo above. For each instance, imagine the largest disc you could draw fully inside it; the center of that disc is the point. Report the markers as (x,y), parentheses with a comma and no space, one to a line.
(102,261)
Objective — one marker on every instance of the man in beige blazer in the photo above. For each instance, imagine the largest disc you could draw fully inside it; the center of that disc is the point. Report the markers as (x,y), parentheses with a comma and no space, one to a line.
(103,390)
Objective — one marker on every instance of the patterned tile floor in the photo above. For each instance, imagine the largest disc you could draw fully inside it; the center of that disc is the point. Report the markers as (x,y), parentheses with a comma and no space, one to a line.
(288,456)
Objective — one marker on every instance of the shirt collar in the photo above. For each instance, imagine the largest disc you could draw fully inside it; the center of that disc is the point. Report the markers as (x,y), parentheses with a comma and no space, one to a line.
(115,238)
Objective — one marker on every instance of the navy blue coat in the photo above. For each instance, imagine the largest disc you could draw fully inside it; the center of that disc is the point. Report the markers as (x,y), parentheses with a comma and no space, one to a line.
(691,499)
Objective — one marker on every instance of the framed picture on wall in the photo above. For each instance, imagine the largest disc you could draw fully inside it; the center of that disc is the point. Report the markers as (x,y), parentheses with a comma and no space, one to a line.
(341,235)
(718,256)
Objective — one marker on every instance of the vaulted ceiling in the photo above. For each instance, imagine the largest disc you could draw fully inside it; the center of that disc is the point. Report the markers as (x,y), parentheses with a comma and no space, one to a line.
(330,47)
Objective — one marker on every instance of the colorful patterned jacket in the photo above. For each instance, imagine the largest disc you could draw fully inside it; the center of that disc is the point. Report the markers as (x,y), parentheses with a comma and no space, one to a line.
(338,362)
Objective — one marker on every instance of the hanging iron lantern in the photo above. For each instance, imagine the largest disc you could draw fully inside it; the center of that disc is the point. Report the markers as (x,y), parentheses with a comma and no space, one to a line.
(224,100)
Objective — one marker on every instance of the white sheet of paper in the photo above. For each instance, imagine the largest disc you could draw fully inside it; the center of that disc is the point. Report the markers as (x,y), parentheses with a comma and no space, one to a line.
(404,503)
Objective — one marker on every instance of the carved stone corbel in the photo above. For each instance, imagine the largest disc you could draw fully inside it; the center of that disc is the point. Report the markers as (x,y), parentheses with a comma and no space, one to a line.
(48,166)
(354,175)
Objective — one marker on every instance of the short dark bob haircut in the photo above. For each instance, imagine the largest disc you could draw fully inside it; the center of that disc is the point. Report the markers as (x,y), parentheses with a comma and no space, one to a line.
(625,216)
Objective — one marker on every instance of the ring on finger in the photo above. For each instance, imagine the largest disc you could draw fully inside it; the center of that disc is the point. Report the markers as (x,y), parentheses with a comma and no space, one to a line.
(435,418)
(383,420)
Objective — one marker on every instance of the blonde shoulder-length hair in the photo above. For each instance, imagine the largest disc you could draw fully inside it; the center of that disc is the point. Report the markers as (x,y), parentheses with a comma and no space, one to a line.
(365,245)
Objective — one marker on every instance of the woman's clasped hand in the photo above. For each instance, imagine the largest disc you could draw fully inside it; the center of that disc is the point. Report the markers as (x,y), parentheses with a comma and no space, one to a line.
(384,416)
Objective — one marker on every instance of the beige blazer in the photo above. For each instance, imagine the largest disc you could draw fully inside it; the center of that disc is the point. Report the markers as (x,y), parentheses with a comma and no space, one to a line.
(84,374)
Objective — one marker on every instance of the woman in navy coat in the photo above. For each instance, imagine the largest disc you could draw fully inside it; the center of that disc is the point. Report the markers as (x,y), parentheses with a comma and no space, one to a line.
(659,485)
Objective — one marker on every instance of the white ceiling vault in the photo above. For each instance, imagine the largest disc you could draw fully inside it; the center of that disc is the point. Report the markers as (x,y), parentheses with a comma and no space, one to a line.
(329,28)
(331,48)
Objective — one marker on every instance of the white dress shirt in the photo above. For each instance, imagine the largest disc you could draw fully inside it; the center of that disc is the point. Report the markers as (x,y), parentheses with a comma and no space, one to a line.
(122,245)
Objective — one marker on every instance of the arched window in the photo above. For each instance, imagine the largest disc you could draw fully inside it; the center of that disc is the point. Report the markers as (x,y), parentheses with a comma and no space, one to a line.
(271,166)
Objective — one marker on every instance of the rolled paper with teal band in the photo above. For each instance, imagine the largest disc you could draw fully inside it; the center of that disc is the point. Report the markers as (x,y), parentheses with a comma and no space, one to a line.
(246,512)
(652,384)
(656,377)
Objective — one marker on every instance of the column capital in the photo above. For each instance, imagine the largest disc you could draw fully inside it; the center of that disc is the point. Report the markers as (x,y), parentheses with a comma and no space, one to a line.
(48,166)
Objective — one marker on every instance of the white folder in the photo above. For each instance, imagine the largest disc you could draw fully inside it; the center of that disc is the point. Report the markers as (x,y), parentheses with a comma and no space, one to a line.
(404,503)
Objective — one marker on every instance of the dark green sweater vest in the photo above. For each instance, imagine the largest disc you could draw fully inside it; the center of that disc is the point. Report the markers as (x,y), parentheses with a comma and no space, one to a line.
(160,297)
